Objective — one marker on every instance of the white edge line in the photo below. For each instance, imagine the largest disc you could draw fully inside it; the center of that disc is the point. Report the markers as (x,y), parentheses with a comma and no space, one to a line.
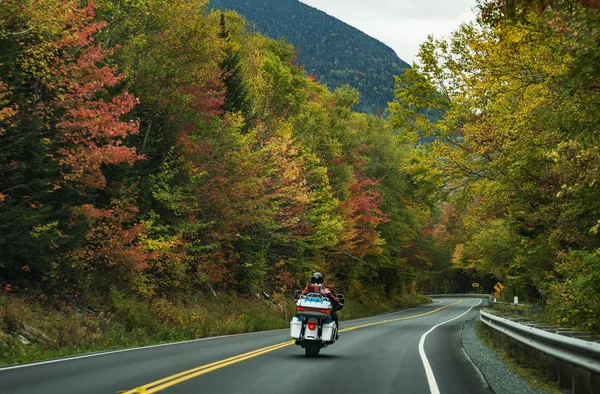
(433,387)
(107,352)
(102,353)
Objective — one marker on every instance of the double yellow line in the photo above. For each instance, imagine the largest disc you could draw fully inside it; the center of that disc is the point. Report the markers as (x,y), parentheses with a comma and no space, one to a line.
(192,373)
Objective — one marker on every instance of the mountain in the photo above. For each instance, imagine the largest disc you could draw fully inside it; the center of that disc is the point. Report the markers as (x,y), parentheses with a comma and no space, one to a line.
(335,52)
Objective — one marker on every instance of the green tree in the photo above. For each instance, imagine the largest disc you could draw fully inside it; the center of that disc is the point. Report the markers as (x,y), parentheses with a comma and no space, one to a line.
(515,140)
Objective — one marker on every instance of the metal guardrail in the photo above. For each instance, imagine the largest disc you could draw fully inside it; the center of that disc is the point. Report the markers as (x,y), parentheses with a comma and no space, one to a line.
(575,351)
(459,295)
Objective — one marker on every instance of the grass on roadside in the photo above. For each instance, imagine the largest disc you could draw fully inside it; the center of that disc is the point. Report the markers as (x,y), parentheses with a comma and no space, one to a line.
(33,329)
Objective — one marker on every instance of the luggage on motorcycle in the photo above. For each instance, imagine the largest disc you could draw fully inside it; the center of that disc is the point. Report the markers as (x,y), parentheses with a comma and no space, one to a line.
(328,333)
(314,305)
(295,327)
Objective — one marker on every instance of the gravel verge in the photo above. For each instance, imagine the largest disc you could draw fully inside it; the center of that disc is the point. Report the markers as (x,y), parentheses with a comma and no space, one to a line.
(500,377)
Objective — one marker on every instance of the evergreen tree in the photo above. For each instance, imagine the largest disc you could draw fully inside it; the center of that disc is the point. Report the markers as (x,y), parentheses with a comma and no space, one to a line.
(237,96)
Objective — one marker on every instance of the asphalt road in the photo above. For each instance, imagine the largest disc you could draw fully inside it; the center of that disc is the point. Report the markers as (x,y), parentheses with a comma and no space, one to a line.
(413,351)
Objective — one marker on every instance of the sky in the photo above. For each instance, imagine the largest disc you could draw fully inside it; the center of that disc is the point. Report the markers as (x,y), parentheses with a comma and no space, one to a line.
(400,24)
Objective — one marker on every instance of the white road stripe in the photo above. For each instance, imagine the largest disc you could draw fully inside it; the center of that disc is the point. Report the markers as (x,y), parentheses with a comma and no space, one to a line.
(433,387)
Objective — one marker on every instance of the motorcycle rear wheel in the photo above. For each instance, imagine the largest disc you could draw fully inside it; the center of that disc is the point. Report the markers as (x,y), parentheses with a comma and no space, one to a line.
(312,348)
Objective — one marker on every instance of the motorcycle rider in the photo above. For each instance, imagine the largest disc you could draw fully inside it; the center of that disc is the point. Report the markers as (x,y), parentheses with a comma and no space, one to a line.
(316,286)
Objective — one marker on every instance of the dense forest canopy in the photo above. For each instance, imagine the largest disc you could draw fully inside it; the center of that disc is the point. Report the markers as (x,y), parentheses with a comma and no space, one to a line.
(335,53)
(167,150)
(164,148)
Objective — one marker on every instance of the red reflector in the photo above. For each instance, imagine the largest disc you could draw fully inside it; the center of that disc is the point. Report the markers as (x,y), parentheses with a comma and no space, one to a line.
(308,309)
(312,326)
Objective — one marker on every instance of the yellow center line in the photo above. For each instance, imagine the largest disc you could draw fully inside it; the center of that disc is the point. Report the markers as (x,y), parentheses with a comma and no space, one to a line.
(230,360)
(192,373)
(399,318)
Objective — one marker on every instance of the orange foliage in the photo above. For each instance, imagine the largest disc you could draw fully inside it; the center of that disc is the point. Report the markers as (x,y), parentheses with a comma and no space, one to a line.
(112,240)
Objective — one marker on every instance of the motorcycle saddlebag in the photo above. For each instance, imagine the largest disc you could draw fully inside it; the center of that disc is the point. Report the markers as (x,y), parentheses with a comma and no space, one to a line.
(295,327)
(328,331)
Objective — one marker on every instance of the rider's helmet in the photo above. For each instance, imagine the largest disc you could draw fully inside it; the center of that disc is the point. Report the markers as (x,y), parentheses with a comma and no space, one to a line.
(317,278)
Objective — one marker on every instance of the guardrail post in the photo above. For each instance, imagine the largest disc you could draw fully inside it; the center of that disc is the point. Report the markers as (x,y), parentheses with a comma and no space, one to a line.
(497,336)
(565,374)
(581,381)
(595,383)
(551,368)
(530,356)
(507,342)
(520,349)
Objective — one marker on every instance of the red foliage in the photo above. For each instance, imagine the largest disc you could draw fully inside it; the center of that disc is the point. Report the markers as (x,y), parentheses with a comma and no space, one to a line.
(6,111)
(361,210)
(364,215)
(281,278)
(112,240)
(92,129)
(592,3)
(207,92)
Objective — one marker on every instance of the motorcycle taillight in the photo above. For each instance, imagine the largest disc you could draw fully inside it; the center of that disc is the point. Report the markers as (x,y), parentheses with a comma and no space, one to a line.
(312,326)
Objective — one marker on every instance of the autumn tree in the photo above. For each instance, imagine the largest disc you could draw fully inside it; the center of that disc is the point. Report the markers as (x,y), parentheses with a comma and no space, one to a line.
(70,129)
(514,141)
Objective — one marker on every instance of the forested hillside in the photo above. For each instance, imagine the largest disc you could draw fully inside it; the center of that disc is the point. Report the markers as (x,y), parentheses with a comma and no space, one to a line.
(516,149)
(336,53)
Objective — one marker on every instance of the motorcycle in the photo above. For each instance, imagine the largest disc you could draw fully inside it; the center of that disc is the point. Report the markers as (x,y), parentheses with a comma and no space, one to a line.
(313,327)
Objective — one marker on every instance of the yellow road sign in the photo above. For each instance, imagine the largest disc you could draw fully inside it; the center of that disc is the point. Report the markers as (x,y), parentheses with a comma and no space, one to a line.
(475,284)
(498,286)
(497,294)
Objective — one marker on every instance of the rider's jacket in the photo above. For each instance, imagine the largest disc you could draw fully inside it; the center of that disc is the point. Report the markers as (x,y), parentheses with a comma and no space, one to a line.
(321,289)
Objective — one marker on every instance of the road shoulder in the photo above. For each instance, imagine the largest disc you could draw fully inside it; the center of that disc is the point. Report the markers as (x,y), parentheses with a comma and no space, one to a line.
(499,376)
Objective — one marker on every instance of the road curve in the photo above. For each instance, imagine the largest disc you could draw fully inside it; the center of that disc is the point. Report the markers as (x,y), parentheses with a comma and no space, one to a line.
(412,351)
